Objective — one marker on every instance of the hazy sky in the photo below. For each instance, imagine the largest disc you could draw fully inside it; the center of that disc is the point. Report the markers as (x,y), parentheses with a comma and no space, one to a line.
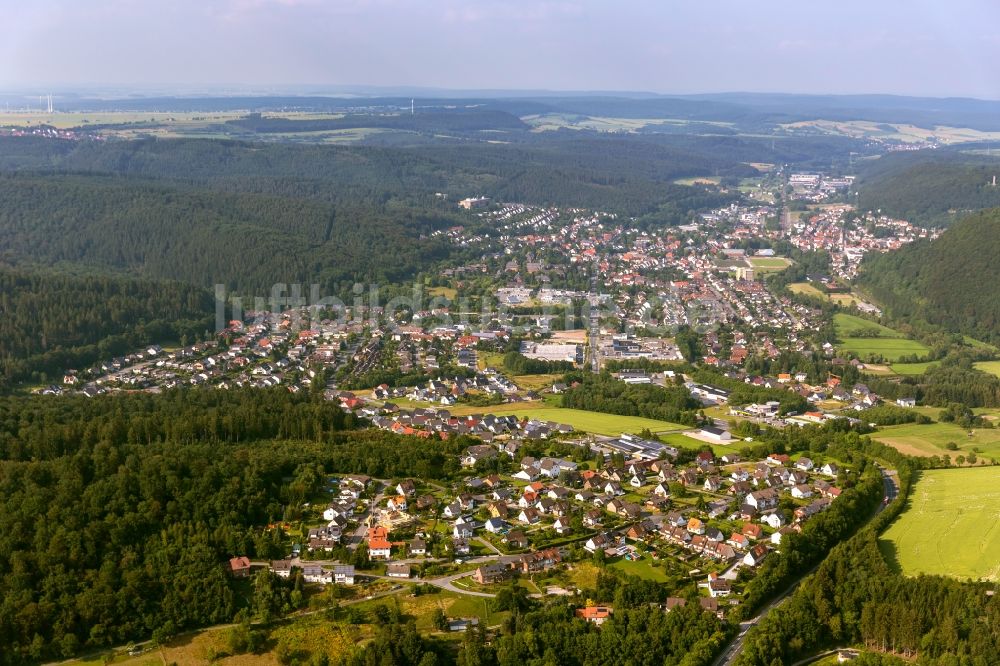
(917,47)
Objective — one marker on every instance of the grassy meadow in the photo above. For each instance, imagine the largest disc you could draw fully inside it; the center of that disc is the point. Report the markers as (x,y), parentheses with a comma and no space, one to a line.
(889,344)
(950,527)
(932,439)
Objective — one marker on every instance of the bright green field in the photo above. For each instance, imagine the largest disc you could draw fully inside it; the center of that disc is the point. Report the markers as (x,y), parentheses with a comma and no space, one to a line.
(992,367)
(972,342)
(932,438)
(642,568)
(951,527)
(913,368)
(806,289)
(890,344)
(847,325)
(888,348)
(769,264)
(684,442)
(593,422)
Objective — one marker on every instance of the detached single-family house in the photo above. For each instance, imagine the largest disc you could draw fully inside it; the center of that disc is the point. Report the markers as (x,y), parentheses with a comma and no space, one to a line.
(529,516)
(755,555)
(397,570)
(596,614)
(343,574)
(239,567)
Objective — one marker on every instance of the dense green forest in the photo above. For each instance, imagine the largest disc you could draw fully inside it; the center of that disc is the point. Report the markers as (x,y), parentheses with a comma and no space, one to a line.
(951,283)
(929,189)
(51,322)
(437,120)
(517,363)
(116,515)
(603,393)
(619,174)
(245,241)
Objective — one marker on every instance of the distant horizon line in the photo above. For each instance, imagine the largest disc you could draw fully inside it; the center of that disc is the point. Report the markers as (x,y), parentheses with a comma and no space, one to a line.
(123,91)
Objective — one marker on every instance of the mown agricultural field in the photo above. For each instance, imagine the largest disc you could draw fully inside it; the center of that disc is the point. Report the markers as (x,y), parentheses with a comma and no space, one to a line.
(951,527)
(869,339)
(932,439)
(992,367)
(913,368)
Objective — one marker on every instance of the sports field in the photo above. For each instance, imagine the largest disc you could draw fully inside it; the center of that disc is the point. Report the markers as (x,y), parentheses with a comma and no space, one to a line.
(951,526)
(769,264)
(592,422)
(932,439)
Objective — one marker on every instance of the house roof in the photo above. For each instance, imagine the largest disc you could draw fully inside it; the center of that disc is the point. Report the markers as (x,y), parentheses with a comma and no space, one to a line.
(594,612)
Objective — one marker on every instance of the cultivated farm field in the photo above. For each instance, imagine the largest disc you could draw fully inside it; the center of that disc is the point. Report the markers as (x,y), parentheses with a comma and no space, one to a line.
(950,528)
(888,344)
(932,439)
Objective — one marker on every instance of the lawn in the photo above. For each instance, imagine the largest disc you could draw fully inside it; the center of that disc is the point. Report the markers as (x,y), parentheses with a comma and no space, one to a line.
(992,367)
(978,344)
(769,264)
(448,292)
(642,568)
(932,438)
(592,422)
(913,368)
(806,289)
(536,382)
(684,442)
(950,527)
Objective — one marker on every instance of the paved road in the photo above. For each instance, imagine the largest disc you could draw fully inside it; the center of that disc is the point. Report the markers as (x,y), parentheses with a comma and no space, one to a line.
(891,480)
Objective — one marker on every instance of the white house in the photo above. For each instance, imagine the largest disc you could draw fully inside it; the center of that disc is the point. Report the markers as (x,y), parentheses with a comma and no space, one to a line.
(773,520)
(343,574)
(802,491)
(755,555)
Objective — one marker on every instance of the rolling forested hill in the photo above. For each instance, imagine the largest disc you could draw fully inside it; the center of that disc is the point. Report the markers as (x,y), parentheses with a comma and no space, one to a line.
(204,237)
(953,282)
(250,215)
(52,322)
(930,189)
(620,174)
